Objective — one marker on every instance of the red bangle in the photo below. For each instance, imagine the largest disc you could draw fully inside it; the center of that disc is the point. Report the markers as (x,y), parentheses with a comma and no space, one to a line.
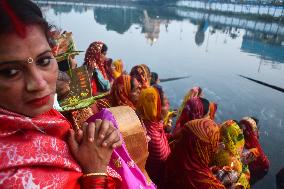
(98,183)
(94,182)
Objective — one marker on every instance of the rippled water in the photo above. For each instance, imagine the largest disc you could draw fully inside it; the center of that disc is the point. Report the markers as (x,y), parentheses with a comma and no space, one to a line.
(212,47)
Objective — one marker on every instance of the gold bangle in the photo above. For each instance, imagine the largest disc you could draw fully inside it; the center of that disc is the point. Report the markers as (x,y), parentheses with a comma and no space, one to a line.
(94,174)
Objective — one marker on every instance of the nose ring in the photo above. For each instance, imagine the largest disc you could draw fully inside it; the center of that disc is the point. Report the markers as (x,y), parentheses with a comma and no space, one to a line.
(30,60)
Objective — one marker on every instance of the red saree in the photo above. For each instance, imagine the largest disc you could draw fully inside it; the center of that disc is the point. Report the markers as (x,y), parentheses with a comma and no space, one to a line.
(193,109)
(159,150)
(260,166)
(119,95)
(93,57)
(34,154)
(120,92)
(149,108)
(187,167)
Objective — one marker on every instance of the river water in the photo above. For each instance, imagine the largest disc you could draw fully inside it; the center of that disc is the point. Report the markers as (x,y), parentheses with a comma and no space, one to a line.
(212,47)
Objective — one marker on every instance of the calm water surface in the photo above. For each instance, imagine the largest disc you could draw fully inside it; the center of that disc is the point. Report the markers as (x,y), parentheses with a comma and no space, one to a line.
(213,48)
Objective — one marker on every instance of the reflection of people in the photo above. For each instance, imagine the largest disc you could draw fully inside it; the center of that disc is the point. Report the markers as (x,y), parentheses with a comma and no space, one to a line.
(31,131)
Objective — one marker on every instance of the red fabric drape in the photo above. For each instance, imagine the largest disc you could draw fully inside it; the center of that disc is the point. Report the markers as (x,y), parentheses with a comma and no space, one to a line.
(93,57)
(259,167)
(193,110)
(120,92)
(187,166)
(33,152)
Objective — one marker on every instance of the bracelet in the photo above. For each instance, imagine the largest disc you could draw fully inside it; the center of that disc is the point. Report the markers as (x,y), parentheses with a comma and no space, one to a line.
(94,174)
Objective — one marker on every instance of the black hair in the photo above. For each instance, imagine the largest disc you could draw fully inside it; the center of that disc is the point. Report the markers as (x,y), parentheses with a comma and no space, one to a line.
(199,91)
(24,12)
(104,48)
(131,83)
(154,78)
(64,65)
(237,122)
(109,61)
(255,119)
(205,104)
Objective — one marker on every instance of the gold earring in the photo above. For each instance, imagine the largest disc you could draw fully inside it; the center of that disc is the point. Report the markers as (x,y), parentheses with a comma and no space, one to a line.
(30,60)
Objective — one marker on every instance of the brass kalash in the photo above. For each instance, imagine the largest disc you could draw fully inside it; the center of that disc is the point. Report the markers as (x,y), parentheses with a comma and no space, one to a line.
(76,107)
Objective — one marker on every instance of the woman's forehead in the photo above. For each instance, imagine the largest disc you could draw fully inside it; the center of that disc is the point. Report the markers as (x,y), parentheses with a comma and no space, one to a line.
(13,47)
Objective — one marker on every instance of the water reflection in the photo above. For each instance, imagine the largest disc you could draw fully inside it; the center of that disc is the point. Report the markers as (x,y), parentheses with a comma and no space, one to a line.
(120,20)
(151,27)
(200,34)
(116,19)
(262,38)
(266,46)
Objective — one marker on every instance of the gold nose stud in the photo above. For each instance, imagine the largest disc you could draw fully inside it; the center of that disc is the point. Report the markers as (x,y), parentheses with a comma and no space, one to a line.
(30,60)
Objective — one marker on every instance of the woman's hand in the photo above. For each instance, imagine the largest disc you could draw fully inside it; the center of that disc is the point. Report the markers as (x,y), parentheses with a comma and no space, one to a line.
(249,155)
(93,145)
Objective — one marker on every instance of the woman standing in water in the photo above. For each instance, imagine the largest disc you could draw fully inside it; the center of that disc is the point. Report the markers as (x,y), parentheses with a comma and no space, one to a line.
(36,151)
